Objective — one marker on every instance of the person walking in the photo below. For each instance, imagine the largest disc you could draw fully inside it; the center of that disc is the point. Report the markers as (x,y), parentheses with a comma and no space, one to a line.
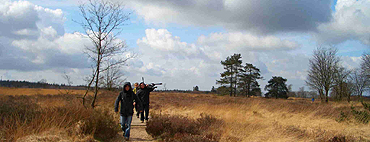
(143,94)
(126,98)
(136,87)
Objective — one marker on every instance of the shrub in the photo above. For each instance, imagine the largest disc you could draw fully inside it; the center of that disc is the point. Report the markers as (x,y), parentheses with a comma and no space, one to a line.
(179,128)
(101,124)
(361,116)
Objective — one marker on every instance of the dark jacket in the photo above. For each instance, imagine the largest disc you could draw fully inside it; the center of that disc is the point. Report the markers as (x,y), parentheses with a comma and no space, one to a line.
(143,94)
(127,99)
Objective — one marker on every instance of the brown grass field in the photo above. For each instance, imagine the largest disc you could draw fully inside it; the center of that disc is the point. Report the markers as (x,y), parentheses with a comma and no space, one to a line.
(261,119)
(43,115)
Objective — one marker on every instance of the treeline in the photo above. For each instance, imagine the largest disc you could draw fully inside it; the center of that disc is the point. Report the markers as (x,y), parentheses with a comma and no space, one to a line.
(240,79)
(326,78)
(39,84)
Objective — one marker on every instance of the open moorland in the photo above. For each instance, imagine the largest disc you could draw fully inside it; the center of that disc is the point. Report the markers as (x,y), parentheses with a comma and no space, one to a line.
(44,116)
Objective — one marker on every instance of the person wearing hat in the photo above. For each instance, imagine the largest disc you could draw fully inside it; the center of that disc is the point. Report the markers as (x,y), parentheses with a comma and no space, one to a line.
(143,94)
(126,98)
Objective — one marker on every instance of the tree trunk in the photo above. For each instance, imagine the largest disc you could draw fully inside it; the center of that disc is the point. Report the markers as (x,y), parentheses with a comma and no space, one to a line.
(231,82)
(326,96)
(96,86)
(349,98)
(97,76)
(235,85)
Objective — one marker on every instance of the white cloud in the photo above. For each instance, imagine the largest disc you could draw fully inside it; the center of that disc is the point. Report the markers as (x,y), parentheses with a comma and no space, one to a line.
(164,57)
(351,21)
(33,38)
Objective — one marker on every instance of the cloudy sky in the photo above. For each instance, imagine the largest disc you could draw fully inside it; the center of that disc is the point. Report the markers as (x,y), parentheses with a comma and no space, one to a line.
(181,43)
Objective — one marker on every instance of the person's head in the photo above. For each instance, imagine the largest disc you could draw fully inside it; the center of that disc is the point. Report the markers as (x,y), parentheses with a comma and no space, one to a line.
(142,85)
(127,86)
(136,85)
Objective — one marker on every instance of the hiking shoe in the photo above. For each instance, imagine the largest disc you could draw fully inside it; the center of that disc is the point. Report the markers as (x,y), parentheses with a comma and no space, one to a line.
(127,139)
(142,121)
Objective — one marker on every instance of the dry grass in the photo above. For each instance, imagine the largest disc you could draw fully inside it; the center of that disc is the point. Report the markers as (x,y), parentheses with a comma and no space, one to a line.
(43,115)
(38,91)
(260,119)
(56,118)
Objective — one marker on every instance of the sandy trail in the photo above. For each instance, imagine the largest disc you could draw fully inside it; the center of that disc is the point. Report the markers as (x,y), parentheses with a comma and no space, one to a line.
(138,133)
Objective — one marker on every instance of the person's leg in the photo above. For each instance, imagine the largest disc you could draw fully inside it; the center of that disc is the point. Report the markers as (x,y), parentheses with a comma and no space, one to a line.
(146,108)
(128,124)
(142,115)
(123,125)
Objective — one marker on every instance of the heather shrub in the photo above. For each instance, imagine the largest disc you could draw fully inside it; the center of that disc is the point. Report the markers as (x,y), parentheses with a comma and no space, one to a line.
(180,128)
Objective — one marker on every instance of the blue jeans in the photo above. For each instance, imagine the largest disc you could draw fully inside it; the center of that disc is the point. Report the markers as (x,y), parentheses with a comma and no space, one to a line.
(126,125)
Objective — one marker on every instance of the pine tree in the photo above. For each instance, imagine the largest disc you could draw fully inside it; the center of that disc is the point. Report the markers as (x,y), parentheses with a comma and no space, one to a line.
(277,88)
(248,79)
(231,65)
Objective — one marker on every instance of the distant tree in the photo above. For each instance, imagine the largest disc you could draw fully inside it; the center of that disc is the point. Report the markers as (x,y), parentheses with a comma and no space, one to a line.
(102,21)
(301,93)
(321,73)
(42,81)
(196,88)
(112,78)
(341,87)
(213,90)
(312,94)
(69,82)
(277,88)
(232,64)
(165,87)
(359,82)
(223,90)
(291,93)
(248,76)
(365,66)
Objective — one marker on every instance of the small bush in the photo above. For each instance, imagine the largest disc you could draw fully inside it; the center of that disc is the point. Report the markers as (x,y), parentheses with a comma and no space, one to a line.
(361,116)
(101,124)
(179,128)
(342,117)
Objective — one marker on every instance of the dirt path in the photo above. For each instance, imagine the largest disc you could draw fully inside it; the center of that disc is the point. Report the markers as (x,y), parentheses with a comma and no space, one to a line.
(138,133)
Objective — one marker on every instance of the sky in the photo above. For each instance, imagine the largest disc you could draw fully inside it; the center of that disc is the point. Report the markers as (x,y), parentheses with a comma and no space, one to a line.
(181,43)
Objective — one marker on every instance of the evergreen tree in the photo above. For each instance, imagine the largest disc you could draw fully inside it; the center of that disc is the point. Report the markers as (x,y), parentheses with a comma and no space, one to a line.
(277,88)
(232,64)
(248,75)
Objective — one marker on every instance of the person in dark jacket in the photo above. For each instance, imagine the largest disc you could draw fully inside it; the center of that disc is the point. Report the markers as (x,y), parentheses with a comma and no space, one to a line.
(136,85)
(126,98)
(143,94)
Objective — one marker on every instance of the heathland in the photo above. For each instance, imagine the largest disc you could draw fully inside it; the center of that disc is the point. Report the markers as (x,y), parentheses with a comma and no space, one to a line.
(53,115)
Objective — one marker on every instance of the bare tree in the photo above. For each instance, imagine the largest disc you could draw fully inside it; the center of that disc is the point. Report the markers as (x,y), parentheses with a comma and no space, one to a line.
(102,21)
(321,74)
(112,78)
(301,93)
(69,83)
(165,87)
(341,87)
(365,65)
(359,82)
